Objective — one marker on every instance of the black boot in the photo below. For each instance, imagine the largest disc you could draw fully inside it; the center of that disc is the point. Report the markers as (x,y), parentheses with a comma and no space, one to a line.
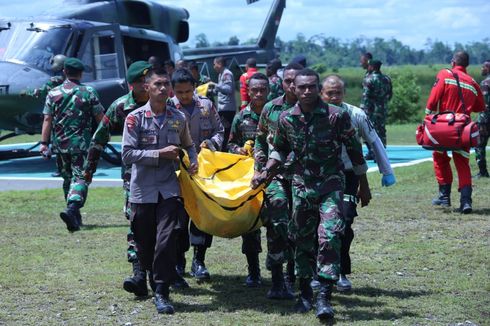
(71,216)
(279,290)
(137,283)
(482,166)
(444,199)
(253,279)
(198,269)
(324,308)
(465,201)
(162,301)
(290,278)
(305,297)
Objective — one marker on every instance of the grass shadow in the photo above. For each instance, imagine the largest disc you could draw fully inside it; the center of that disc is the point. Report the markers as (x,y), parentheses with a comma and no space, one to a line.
(90,227)
(370,291)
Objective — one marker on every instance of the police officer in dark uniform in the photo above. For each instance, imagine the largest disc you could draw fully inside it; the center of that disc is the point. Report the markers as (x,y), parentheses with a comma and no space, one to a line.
(152,140)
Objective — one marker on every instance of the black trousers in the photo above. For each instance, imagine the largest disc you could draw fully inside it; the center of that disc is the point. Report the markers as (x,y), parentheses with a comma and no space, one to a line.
(155,228)
(350,211)
(226,120)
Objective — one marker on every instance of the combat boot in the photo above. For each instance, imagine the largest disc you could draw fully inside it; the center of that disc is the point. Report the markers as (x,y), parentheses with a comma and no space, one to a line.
(279,290)
(290,278)
(71,215)
(198,269)
(253,279)
(483,173)
(343,284)
(465,201)
(137,283)
(305,297)
(324,308)
(444,199)
(162,300)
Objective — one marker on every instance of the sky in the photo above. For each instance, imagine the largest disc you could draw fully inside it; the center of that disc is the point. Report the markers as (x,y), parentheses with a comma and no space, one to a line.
(410,21)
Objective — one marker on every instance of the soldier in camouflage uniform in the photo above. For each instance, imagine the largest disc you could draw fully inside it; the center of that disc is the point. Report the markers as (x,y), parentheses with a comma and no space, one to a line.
(113,122)
(70,111)
(310,135)
(57,67)
(377,91)
(206,132)
(278,191)
(244,130)
(484,123)
(275,82)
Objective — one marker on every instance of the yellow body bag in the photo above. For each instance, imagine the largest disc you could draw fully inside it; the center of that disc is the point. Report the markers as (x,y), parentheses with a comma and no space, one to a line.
(218,198)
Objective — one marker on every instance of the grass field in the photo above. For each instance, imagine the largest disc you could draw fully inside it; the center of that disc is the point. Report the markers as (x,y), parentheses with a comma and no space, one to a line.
(412,264)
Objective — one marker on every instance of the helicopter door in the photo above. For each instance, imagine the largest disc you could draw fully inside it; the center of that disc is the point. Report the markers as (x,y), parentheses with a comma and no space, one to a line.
(102,54)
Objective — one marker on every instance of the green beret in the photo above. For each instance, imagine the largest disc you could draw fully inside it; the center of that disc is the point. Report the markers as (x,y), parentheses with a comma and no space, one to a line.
(375,63)
(136,70)
(74,64)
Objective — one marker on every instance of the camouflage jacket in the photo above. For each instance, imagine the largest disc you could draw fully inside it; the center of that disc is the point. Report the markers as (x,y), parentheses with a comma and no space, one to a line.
(275,85)
(267,127)
(243,128)
(377,91)
(73,107)
(204,122)
(112,122)
(43,91)
(315,140)
(484,117)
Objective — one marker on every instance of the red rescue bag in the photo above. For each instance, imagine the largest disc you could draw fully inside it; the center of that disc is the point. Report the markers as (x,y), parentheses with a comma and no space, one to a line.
(447,131)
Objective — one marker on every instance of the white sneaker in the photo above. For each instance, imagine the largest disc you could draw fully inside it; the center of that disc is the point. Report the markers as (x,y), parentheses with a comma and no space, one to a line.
(343,284)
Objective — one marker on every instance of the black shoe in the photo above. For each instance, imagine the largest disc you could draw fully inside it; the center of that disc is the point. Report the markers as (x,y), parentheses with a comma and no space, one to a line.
(163,305)
(180,270)
(199,271)
(465,201)
(253,281)
(136,285)
(303,305)
(444,198)
(180,283)
(482,175)
(279,290)
(324,308)
(70,218)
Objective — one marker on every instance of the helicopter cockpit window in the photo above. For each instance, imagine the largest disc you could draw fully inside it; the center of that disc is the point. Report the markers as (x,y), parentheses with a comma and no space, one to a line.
(34,46)
(100,57)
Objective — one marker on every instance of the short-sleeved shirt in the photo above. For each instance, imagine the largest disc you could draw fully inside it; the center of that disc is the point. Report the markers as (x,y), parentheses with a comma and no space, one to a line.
(143,136)
(204,122)
(73,107)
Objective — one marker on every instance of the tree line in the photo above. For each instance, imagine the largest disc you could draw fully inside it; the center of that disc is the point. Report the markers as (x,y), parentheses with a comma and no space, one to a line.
(335,53)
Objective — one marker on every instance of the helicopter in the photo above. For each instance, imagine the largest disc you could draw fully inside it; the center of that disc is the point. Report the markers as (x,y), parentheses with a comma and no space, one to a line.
(106,36)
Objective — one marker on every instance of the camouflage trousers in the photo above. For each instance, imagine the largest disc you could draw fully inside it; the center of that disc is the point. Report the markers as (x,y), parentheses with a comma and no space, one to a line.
(276,215)
(131,252)
(378,117)
(71,168)
(480,152)
(317,219)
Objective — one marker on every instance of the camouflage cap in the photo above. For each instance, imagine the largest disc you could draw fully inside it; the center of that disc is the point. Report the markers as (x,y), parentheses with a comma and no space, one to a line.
(74,64)
(136,70)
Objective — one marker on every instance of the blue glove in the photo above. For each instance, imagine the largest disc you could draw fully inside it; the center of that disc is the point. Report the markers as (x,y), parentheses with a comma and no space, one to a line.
(388,180)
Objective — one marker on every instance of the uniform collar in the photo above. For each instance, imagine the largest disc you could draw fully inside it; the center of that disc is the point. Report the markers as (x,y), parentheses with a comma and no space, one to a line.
(148,113)
(460,68)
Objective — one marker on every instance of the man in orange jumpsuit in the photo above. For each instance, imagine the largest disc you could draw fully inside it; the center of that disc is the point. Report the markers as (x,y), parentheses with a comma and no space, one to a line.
(444,96)
(250,69)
